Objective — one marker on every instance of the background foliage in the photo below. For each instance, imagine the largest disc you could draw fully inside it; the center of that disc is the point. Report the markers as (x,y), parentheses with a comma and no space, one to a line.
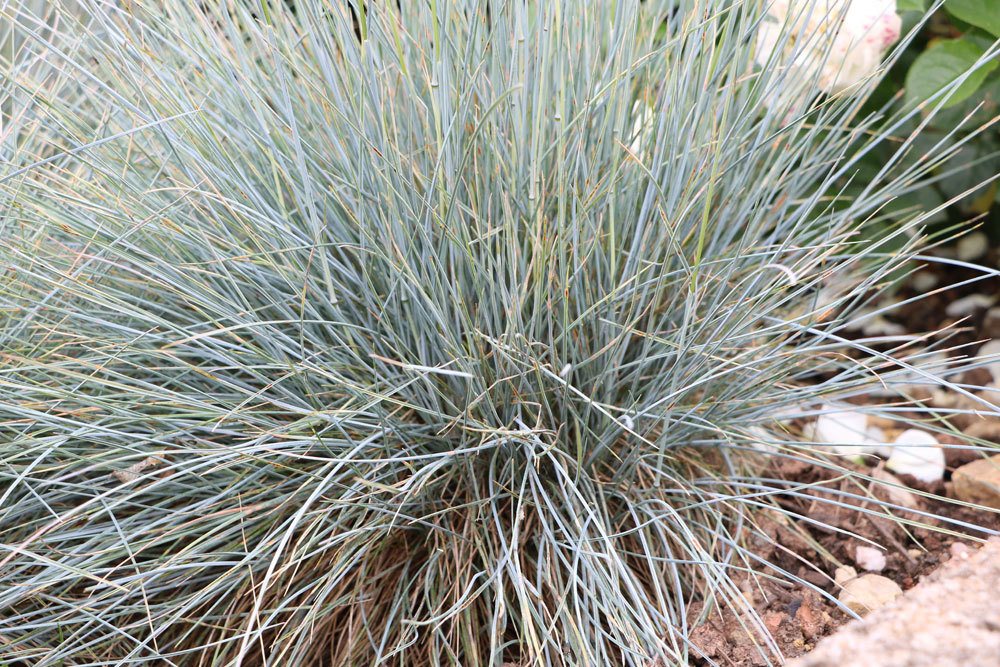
(955,43)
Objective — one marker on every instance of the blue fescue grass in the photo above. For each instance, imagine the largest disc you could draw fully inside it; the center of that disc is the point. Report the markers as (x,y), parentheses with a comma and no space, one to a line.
(387,335)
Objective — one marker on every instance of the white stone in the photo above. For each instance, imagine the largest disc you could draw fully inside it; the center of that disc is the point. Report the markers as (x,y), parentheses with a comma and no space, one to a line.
(972,246)
(846,431)
(870,558)
(944,399)
(879,326)
(968,305)
(924,281)
(919,454)
(874,434)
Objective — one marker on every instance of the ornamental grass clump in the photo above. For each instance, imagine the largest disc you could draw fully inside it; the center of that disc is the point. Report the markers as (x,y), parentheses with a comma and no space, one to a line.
(382,333)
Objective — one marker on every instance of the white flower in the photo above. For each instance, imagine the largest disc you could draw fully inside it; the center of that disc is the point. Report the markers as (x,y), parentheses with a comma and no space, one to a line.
(832,44)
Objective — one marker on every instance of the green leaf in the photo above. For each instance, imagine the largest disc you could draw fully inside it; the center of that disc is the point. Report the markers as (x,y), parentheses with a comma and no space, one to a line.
(911,5)
(972,165)
(983,14)
(940,65)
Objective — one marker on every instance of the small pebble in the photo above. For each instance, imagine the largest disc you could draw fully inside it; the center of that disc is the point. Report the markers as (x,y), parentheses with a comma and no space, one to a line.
(924,281)
(870,558)
(917,453)
(879,326)
(868,593)
(968,305)
(976,377)
(810,621)
(972,246)
(815,578)
(846,431)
